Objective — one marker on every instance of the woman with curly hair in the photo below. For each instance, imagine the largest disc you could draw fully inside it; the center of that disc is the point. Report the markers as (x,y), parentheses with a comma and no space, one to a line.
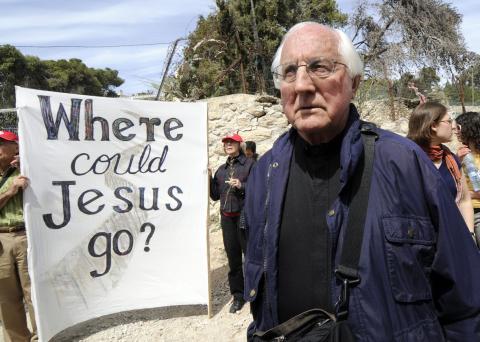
(430,126)
(469,135)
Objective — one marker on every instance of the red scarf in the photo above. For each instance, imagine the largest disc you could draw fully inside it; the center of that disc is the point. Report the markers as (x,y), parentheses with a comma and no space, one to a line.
(440,153)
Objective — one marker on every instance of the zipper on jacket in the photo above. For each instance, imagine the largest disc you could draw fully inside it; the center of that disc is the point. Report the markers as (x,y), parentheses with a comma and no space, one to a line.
(226,198)
(330,269)
(267,200)
(231,173)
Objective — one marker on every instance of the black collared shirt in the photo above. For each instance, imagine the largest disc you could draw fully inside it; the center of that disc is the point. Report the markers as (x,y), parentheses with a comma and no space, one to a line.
(304,258)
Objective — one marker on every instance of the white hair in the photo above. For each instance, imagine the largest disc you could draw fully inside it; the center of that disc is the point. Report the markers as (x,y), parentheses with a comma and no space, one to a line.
(346,50)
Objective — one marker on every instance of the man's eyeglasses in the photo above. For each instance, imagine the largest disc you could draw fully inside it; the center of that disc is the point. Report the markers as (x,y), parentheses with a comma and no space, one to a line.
(318,67)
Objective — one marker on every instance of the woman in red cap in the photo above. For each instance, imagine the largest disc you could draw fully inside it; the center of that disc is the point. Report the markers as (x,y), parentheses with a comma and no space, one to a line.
(228,185)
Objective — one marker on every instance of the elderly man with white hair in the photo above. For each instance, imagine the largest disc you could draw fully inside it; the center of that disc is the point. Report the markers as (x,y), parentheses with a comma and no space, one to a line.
(417,276)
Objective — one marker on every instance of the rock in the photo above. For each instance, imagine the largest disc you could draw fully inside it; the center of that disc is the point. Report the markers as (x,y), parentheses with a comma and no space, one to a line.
(256,111)
(244,123)
(268,99)
(278,108)
(260,133)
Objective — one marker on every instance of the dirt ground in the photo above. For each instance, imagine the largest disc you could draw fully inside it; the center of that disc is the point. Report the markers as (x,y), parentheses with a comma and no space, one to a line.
(184,323)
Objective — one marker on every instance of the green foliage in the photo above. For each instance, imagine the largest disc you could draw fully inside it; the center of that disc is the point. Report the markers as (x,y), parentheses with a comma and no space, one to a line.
(464,88)
(452,93)
(427,79)
(321,11)
(426,82)
(9,121)
(71,76)
(231,50)
(13,68)
(108,79)
(371,89)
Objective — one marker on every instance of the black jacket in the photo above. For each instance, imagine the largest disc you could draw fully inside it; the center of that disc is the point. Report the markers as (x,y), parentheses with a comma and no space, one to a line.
(231,198)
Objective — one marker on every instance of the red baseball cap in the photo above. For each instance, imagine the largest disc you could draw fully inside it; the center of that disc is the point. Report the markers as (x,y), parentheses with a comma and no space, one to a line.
(8,136)
(232,136)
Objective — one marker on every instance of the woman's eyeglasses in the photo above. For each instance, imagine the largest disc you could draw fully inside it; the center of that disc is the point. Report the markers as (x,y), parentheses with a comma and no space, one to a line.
(449,121)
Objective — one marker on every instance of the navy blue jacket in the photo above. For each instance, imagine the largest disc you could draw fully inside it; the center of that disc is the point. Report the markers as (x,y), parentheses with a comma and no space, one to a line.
(419,267)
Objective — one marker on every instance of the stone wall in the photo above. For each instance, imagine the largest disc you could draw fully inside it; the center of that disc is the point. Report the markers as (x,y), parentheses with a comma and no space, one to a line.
(257,118)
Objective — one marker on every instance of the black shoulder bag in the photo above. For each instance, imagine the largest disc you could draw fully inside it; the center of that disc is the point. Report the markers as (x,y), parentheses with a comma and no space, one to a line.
(318,325)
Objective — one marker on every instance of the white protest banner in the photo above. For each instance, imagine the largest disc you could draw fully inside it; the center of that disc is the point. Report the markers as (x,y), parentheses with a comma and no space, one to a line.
(116,209)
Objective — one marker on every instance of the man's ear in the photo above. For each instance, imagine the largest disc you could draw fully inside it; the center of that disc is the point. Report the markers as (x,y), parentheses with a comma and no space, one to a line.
(355,84)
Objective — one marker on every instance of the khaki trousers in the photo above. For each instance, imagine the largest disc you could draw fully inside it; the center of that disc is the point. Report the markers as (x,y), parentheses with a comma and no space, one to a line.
(15,288)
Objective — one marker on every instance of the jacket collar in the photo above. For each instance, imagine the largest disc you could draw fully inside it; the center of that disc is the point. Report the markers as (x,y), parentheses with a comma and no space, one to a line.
(350,153)
(241,158)
(352,146)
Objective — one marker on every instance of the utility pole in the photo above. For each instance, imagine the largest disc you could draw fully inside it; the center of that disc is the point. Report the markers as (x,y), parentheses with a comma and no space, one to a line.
(241,51)
(170,53)
(262,78)
(473,91)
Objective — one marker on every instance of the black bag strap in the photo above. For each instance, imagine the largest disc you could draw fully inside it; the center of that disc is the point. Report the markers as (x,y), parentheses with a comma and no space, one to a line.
(7,174)
(347,270)
(295,324)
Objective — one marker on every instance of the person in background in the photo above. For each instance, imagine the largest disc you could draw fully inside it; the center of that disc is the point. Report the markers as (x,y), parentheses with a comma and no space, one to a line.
(418,271)
(251,150)
(430,126)
(228,186)
(14,278)
(468,133)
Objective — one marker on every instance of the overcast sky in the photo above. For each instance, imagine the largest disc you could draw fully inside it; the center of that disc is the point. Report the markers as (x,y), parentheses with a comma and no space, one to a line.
(120,22)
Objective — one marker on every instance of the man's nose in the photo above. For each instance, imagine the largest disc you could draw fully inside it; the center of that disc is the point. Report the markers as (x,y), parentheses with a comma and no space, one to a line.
(303,81)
